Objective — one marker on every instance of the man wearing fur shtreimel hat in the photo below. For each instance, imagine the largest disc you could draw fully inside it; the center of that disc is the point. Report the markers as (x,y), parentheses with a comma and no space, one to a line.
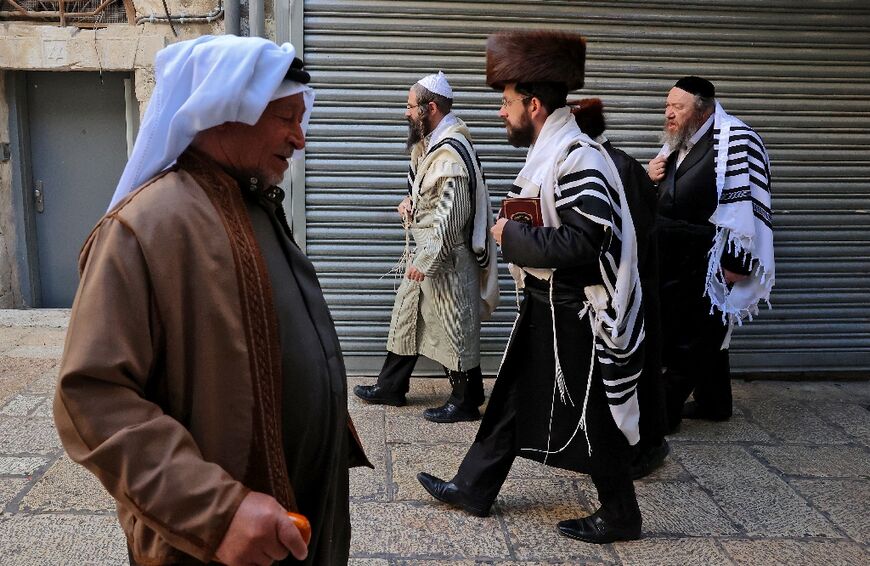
(566,393)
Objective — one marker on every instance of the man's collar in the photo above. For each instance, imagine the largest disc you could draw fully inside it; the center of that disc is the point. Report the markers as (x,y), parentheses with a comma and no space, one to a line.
(437,134)
(700,133)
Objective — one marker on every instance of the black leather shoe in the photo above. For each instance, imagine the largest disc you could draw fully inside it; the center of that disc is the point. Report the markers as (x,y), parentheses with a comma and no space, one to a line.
(377,396)
(649,459)
(596,530)
(450,413)
(448,492)
(692,410)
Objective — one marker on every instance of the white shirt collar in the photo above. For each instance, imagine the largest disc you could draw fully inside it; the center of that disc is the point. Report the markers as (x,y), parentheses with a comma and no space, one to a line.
(440,130)
(700,133)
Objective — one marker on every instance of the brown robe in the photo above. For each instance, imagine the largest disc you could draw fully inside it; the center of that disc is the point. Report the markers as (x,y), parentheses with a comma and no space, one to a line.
(170,386)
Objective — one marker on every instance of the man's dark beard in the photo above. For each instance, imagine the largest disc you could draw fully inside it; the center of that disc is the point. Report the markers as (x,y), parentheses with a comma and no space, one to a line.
(678,139)
(521,135)
(417,130)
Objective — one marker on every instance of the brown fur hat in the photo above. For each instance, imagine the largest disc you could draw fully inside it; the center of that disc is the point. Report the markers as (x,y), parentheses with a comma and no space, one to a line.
(535,56)
(589,114)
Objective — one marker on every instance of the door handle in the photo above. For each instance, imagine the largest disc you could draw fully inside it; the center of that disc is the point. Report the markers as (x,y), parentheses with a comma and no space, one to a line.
(39,197)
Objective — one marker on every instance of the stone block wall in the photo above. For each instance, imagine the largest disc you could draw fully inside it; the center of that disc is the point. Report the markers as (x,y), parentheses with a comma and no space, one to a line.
(38,46)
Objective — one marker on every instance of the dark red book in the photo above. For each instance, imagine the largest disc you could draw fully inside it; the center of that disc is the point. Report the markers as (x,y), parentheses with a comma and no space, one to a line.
(522,209)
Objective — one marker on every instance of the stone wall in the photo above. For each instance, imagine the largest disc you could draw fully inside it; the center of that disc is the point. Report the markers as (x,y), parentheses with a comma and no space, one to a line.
(34,46)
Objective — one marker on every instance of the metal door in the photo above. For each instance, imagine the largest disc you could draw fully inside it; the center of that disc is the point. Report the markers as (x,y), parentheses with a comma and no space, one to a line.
(798,72)
(78,148)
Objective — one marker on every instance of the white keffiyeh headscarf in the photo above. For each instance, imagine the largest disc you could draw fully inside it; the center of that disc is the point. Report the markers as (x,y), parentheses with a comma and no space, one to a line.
(202,83)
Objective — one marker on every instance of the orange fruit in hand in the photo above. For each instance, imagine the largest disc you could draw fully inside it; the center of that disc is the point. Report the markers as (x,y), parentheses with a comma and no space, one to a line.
(302,524)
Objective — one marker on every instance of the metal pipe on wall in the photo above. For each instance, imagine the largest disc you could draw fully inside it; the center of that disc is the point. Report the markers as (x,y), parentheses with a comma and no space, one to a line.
(256,18)
(232,21)
(281,12)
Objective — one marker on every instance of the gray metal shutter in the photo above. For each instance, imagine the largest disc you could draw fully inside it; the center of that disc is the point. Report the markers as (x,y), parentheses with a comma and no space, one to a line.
(798,72)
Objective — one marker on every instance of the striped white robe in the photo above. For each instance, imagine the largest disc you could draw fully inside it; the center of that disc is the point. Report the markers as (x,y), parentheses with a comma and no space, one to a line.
(440,317)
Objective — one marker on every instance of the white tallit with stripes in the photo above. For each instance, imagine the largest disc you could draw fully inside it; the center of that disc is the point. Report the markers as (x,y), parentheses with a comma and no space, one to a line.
(742,219)
(569,170)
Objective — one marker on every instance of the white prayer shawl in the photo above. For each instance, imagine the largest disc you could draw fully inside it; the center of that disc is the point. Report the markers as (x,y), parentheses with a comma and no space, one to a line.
(452,131)
(742,219)
(202,83)
(595,191)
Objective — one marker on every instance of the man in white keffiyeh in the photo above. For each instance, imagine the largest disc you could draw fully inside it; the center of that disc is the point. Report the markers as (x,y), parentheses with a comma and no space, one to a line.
(566,392)
(202,380)
(715,241)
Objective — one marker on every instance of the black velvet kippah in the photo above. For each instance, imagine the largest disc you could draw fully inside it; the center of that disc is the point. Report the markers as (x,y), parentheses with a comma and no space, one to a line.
(697,85)
(297,73)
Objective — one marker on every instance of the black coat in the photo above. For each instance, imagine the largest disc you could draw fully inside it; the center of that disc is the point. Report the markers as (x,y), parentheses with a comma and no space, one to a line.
(640,192)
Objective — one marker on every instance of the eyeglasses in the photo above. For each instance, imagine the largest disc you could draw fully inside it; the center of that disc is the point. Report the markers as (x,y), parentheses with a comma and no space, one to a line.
(411,106)
(505,102)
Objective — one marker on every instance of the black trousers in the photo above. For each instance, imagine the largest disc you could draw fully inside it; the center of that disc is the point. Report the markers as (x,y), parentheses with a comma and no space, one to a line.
(467,386)
(693,360)
(486,465)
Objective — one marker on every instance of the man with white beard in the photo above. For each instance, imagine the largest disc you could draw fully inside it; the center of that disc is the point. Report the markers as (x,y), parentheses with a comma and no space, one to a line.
(715,241)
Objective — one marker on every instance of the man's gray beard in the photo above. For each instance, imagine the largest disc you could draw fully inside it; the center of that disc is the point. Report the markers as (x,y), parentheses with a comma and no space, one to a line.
(416,132)
(676,140)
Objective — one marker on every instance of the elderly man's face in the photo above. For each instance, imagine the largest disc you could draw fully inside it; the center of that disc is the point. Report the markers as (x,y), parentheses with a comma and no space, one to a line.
(262,150)
(679,109)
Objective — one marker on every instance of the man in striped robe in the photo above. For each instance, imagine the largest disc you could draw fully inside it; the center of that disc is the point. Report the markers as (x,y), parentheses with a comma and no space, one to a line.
(715,241)
(566,392)
(451,280)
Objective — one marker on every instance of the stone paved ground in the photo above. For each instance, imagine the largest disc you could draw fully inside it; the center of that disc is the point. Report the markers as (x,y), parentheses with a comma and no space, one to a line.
(786,481)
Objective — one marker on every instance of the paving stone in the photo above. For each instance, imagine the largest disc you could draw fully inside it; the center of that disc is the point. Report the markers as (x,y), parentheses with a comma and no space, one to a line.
(537,563)
(368,562)
(369,484)
(369,424)
(817,461)
(9,488)
(34,351)
(671,552)
(20,466)
(9,337)
(523,468)
(531,512)
(796,422)
(67,486)
(800,390)
(752,496)
(17,373)
(853,418)
(62,540)
(409,459)
(28,436)
(45,384)
(419,562)
(21,405)
(796,553)
(680,508)
(414,429)
(29,318)
(423,531)
(39,336)
(670,470)
(841,501)
(43,410)
(736,429)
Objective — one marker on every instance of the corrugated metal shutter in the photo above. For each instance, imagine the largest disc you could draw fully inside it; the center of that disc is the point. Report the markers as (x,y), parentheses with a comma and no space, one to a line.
(798,72)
